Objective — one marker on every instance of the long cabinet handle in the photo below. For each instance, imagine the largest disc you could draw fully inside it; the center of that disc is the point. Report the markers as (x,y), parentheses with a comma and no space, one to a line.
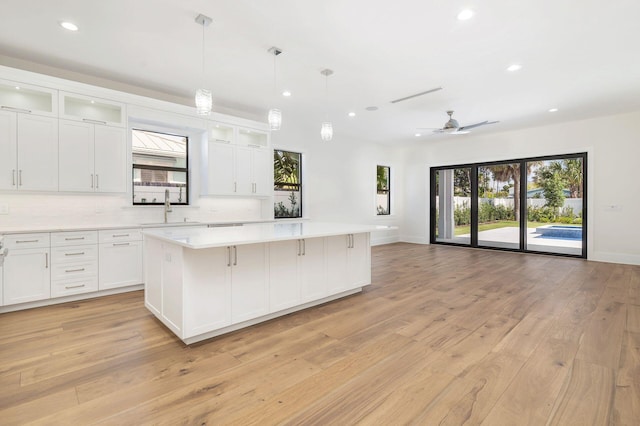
(97,181)
(253,145)
(75,254)
(13,181)
(235,255)
(91,180)
(73,239)
(235,186)
(20,177)
(73,286)
(26,241)
(46,261)
(74,270)
(222,140)
(119,235)
(299,247)
(14,109)
(228,256)
(88,120)
(120,244)
(304,247)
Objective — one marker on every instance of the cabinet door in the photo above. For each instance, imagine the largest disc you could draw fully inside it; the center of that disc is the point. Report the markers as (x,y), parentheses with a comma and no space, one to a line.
(37,153)
(262,171)
(249,282)
(120,264)
(76,157)
(207,291)
(8,151)
(220,180)
(153,275)
(337,264)
(26,276)
(110,159)
(244,176)
(284,285)
(359,261)
(313,272)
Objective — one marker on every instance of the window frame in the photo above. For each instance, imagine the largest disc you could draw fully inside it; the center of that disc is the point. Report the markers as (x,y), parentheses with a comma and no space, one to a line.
(184,170)
(298,186)
(386,191)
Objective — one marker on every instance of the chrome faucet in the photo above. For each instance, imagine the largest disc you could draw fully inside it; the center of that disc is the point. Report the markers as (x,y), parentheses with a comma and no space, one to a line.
(167,205)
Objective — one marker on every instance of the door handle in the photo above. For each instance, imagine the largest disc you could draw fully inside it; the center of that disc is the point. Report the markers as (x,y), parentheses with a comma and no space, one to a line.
(235,255)
(20,177)
(46,261)
(13,181)
(304,247)
(97,181)
(228,256)
(91,180)
(299,248)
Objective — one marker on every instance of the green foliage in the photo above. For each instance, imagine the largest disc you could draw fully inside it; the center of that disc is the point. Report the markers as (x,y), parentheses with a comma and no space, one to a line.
(551,179)
(286,167)
(281,211)
(462,214)
(382,178)
(462,182)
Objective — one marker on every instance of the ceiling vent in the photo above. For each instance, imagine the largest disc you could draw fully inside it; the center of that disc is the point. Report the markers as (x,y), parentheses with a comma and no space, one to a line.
(416,95)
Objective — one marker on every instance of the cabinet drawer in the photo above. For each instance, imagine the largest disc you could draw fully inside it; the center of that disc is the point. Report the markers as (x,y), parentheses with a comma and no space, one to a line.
(118,235)
(74,238)
(76,286)
(74,254)
(71,271)
(24,241)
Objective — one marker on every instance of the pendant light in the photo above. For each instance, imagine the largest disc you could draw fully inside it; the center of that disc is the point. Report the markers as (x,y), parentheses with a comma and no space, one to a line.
(203,96)
(275,115)
(326,131)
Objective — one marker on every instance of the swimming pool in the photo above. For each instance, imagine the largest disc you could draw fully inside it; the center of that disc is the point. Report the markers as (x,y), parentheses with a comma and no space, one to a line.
(565,232)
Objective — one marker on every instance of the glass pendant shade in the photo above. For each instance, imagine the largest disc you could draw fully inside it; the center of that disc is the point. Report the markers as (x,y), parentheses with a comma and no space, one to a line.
(326,131)
(275,119)
(203,102)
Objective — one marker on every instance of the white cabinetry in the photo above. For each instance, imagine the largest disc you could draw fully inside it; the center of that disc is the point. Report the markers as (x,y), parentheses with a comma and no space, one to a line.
(92,110)
(27,268)
(92,157)
(249,282)
(28,137)
(348,262)
(74,263)
(120,258)
(28,152)
(239,161)
(297,272)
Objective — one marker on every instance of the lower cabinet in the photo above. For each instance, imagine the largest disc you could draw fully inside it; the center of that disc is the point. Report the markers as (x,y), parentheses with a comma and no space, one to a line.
(249,282)
(120,258)
(348,262)
(27,268)
(27,275)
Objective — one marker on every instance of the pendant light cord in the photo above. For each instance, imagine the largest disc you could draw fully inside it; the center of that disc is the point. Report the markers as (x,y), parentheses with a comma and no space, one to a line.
(203,22)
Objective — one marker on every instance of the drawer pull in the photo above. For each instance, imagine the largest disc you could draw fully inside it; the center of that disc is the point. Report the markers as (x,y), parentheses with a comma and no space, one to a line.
(27,241)
(120,244)
(73,286)
(14,109)
(80,253)
(120,235)
(74,238)
(74,270)
(88,120)
(223,140)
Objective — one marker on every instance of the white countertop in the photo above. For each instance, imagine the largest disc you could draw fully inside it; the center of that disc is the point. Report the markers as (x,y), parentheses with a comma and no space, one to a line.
(200,238)
(20,229)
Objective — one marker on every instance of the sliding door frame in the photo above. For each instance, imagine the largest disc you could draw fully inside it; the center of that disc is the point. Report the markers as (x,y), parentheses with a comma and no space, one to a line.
(523,203)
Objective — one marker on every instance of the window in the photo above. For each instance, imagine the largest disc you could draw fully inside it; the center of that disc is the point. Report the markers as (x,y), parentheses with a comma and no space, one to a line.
(383,193)
(160,163)
(287,184)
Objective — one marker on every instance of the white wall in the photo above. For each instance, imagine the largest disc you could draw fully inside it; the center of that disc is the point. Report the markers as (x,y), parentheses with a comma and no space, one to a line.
(613,233)
(339,177)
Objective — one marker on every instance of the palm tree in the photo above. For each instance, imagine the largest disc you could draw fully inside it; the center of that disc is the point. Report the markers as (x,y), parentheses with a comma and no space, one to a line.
(511,171)
(285,167)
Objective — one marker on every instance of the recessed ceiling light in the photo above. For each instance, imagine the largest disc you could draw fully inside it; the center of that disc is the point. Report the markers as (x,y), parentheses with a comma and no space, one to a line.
(514,67)
(17,87)
(418,135)
(465,14)
(372,108)
(286,93)
(352,114)
(69,26)
(553,110)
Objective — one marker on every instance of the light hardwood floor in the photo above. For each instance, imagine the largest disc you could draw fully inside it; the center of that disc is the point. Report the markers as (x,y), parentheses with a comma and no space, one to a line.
(444,335)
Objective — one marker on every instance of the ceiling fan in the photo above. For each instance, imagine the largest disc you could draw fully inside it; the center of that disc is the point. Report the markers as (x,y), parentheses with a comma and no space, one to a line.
(453,128)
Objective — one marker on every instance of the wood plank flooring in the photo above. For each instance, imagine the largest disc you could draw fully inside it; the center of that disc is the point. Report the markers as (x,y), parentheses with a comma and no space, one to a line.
(444,335)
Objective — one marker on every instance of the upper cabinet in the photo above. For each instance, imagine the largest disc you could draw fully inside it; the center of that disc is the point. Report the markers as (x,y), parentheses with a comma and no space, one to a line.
(27,99)
(238,161)
(92,110)
(253,138)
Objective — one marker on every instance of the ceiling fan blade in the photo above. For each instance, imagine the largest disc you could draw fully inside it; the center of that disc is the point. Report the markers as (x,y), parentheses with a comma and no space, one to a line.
(471,126)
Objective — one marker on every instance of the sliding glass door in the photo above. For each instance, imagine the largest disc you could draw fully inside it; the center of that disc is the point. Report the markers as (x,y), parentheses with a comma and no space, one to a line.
(532,205)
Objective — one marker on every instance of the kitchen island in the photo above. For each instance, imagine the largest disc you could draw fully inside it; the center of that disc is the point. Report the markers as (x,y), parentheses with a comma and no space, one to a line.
(201,283)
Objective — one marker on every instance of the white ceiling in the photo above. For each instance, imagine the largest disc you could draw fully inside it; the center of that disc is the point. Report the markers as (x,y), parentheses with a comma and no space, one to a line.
(582,57)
